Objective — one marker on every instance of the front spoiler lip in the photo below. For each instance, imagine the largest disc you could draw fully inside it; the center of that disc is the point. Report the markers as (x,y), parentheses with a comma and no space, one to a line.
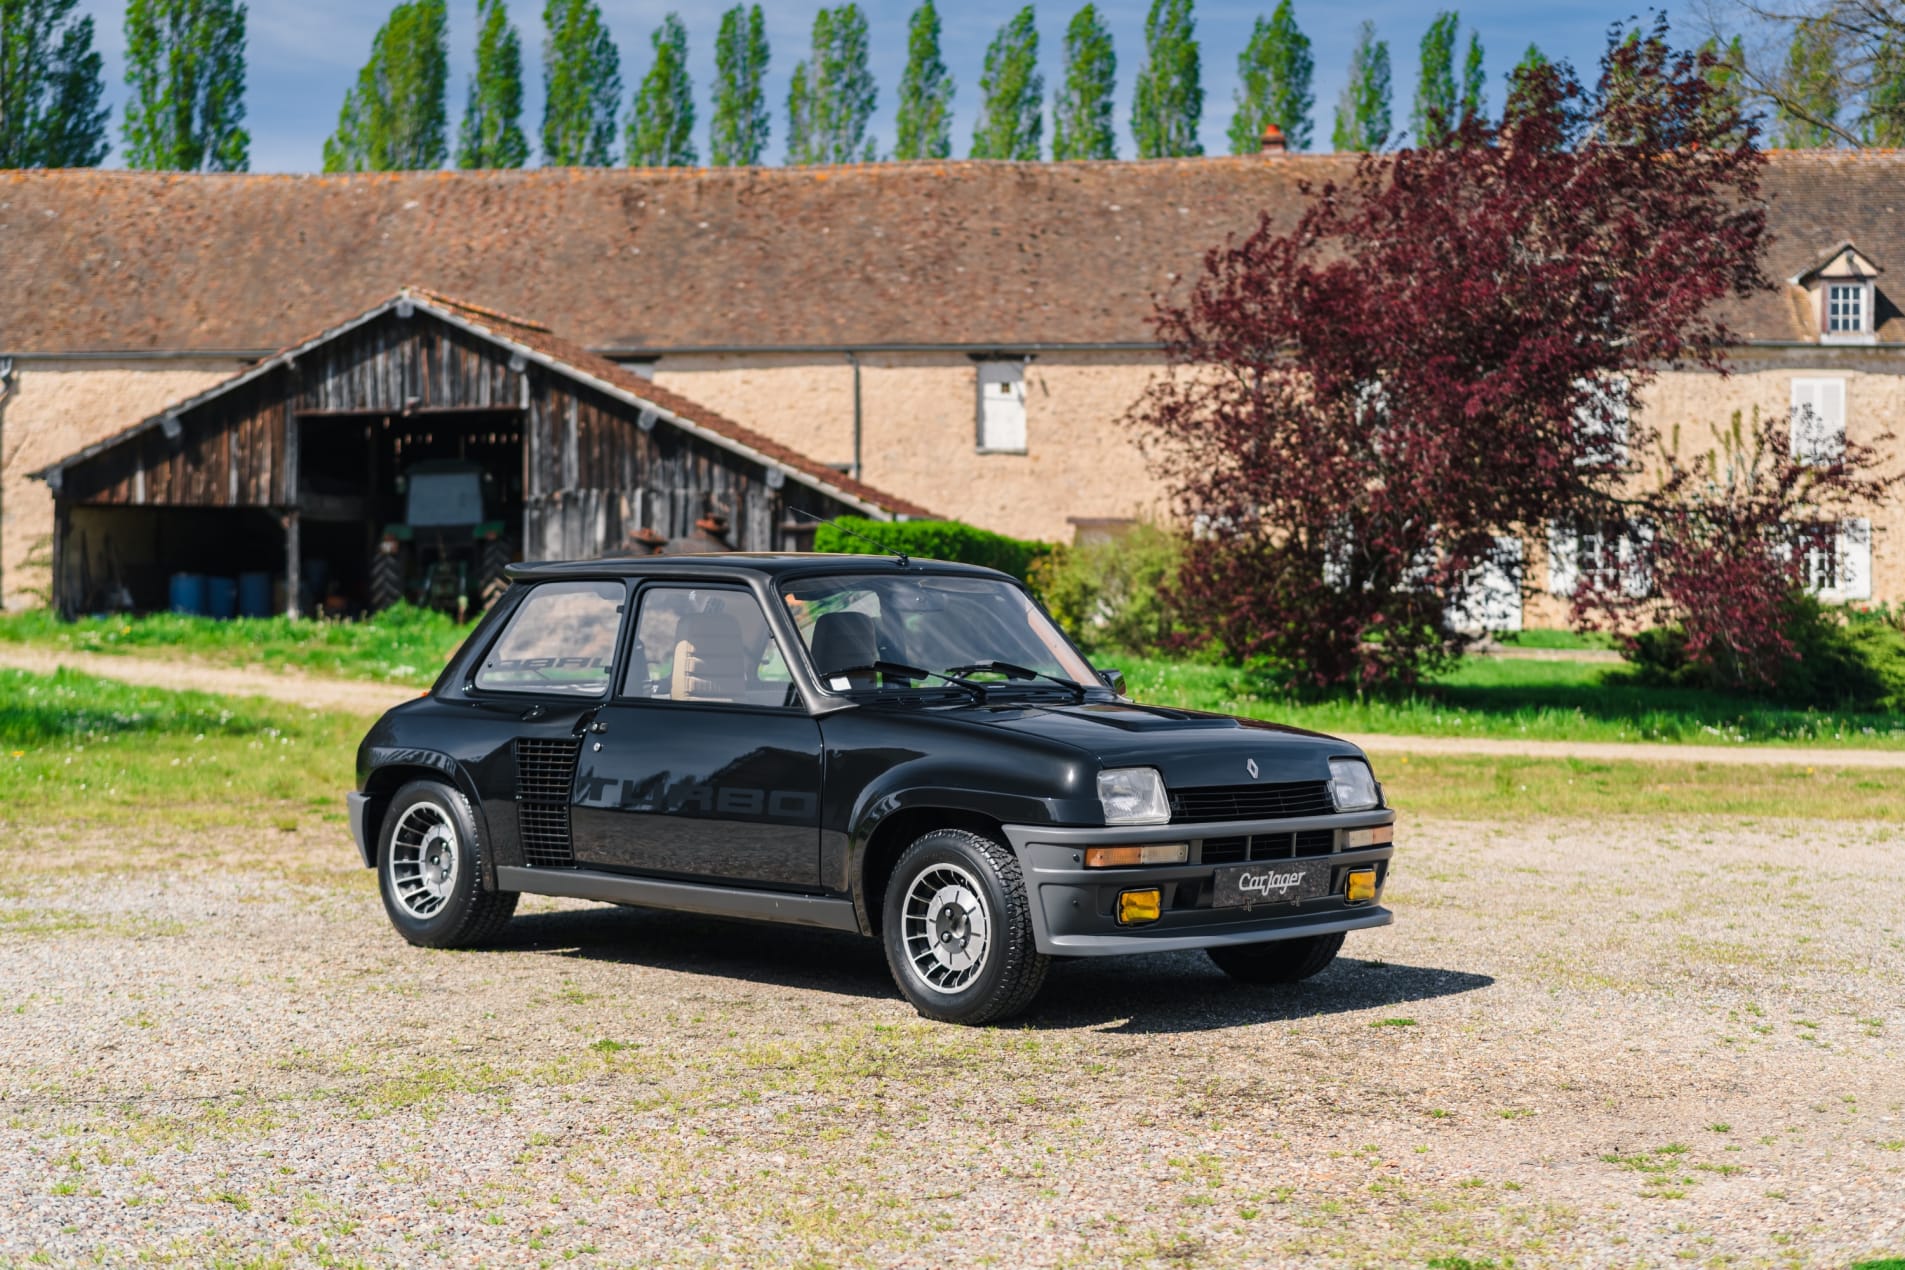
(1052,855)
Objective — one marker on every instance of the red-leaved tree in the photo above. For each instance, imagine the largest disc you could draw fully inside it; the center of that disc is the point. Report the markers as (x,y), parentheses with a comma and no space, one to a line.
(1365,412)
(1729,539)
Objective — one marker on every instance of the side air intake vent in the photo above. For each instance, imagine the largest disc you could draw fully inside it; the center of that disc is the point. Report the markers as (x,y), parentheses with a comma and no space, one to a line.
(545,769)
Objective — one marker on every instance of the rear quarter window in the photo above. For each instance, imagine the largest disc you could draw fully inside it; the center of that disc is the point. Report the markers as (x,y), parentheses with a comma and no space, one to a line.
(560,639)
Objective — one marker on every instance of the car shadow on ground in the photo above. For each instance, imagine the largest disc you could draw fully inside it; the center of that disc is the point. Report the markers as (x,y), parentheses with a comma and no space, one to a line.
(1159,992)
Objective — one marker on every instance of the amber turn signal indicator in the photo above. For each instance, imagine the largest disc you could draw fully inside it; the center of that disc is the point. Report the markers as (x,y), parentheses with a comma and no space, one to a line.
(1375,837)
(1137,907)
(1360,886)
(1151,853)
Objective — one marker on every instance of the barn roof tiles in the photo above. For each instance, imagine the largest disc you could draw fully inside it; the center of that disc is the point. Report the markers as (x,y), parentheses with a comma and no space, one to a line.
(929,254)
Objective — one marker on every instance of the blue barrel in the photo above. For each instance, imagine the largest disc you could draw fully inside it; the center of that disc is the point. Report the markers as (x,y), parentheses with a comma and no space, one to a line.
(221,598)
(254,595)
(188,594)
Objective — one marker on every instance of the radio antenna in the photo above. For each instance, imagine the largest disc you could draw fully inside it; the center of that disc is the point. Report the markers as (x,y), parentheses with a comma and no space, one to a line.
(853,533)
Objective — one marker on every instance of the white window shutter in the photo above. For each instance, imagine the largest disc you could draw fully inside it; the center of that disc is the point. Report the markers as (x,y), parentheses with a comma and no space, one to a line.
(1853,556)
(1831,397)
(1601,421)
(1818,420)
(1564,567)
(1637,572)
(1002,406)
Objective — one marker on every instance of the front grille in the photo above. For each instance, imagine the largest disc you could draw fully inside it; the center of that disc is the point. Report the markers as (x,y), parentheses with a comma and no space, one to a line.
(545,770)
(1267,846)
(1251,802)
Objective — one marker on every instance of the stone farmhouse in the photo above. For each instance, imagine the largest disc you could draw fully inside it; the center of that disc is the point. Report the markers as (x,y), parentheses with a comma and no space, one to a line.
(962,336)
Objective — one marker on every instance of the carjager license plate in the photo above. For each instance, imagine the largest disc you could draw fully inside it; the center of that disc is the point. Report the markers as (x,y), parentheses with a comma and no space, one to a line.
(1271,882)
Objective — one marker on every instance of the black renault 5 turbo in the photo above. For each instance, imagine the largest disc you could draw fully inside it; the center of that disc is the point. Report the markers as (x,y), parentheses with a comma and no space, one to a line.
(908,749)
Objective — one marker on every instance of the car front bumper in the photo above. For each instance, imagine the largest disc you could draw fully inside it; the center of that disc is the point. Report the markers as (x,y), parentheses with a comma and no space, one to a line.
(1073,908)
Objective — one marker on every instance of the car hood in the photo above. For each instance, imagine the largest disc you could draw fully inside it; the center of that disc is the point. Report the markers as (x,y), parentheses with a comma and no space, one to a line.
(1189,747)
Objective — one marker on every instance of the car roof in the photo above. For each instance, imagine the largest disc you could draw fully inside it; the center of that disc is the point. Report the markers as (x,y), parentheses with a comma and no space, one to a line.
(741,564)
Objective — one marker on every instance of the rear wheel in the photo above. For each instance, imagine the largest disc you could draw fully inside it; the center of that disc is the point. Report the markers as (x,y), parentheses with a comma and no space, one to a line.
(958,931)
(430,870)
(492,560)
(1280,961)
(386,580)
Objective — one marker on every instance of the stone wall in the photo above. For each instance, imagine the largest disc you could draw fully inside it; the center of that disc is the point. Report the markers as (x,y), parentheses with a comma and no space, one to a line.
(59,405)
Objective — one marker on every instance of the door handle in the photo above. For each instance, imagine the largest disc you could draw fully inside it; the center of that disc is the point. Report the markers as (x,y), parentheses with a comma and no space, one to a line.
(534,712)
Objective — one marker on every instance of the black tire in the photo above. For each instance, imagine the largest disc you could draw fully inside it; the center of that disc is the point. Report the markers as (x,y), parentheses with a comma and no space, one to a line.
(1006,972)
(492,559)
(386,580)
(430,870)
(1280,961)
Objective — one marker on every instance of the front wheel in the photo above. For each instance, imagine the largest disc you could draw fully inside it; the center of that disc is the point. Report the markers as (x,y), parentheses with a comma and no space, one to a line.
(1280,961)
(430,870)
(958,930)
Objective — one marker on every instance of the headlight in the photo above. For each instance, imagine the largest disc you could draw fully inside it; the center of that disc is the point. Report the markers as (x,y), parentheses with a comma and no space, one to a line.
(1133,796)
(1353,785)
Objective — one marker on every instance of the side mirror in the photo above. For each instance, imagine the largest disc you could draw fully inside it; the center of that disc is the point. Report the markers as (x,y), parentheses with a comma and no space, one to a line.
(1114,680)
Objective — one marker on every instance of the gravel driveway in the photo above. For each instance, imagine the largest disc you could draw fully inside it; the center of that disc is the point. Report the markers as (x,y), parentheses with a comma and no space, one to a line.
(1598,1044)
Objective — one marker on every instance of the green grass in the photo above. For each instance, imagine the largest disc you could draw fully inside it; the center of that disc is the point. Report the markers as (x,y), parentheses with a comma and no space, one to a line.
(403,645)
(78,748)
(1520,700)
(1571,640)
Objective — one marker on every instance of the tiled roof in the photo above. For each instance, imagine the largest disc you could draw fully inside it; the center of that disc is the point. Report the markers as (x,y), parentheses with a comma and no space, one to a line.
(974,254)
(567,359)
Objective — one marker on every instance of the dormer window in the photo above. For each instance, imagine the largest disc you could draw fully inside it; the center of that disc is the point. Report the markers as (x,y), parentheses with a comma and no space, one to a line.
(1844,291)
(1845,308)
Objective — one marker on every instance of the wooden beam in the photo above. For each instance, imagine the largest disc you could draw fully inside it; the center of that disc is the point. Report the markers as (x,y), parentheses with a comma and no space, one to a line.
(293,563)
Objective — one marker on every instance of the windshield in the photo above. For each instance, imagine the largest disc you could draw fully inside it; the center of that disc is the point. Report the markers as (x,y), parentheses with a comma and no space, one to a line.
(866,632)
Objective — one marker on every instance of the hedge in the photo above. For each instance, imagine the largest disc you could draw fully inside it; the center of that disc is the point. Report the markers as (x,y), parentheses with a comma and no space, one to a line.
(933,540)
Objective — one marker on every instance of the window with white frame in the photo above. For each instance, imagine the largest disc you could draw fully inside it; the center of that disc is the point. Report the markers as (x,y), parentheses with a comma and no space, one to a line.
(1845,308)
(1818,420)
(1607,557)
(1600,421)
(1002,406)
(1837,564)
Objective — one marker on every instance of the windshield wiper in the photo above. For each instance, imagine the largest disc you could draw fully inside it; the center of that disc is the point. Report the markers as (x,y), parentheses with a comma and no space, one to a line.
(978,690)
(1011,671)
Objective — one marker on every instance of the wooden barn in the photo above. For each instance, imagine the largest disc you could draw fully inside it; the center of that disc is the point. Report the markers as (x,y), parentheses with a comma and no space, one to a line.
(297,467)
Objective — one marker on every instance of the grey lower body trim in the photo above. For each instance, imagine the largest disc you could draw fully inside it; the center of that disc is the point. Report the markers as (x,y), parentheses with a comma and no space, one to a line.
(357,807)
(1114,945)
(682,897)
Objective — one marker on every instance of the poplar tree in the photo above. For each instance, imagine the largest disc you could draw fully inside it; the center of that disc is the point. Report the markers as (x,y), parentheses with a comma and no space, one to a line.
(1433,118)
(1729,100)
(50,85)
(1362,113)
(1884,122)
(1474,106)
(396,118)
(582,86)
(1168,104)
(926,91)
(1011,94)
(1082,110)
(1273,84)
(1521,79)
(185,86)
(737,135)
(1809,88)
(491,134)
(661,128)
(831,100)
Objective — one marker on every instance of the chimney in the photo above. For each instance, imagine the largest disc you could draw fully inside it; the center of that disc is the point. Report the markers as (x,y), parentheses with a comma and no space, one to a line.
(1272,146)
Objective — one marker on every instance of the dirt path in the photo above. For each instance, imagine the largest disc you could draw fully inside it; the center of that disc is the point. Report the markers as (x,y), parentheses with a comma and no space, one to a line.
(369,698)
(233,681)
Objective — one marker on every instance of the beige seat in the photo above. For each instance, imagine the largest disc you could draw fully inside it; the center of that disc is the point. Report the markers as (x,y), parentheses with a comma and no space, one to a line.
(710,659)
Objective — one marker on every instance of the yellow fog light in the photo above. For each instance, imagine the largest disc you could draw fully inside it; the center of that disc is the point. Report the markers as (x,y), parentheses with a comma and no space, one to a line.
(1138,907)
(1154,853)
(1360,886)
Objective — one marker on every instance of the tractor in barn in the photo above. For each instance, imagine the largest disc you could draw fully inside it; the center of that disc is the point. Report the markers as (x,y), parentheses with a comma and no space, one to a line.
(450,550)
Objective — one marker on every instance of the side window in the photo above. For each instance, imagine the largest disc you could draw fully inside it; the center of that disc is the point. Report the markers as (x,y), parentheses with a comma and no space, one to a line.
(1002,406)
(560,639)
(706,644)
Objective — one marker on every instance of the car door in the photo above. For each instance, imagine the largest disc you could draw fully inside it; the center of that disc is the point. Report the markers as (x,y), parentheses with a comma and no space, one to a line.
(705,765)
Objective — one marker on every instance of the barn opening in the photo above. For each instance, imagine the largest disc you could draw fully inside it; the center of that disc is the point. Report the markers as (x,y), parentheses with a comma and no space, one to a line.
(412,452)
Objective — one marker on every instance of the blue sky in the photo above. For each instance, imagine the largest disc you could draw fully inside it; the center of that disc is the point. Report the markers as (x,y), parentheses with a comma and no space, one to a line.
(303,56)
